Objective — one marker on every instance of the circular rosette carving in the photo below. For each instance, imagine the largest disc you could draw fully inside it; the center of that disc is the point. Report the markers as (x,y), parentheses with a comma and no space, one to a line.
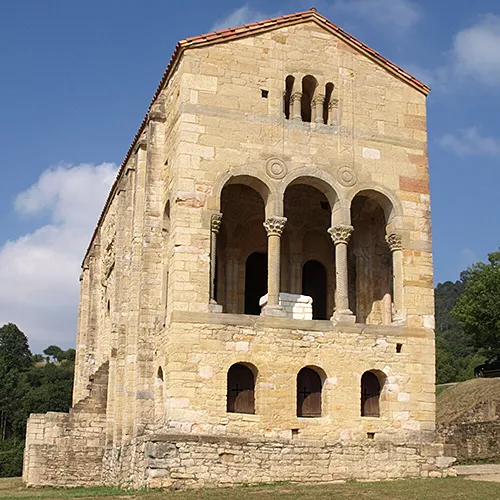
(276,168)
(347,176)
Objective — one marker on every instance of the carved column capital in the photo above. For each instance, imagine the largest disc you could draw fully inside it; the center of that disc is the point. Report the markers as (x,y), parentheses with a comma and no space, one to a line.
(296,96)
(275,225)
(340,234)
(318,100)
(215,223)
(334,103)
(395,242)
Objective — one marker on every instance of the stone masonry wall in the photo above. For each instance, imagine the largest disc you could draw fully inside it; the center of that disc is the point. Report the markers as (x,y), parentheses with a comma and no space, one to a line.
(474,440)
(181,461)
(64,449)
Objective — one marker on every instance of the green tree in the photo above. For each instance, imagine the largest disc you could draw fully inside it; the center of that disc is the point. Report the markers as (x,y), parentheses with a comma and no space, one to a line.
(14,349)
(54,352)
(477,309)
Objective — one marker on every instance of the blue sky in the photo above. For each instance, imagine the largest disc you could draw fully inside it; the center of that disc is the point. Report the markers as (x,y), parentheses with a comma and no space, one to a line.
(76,81)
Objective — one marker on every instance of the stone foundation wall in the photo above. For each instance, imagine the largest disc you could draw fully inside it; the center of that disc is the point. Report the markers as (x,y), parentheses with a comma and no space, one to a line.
(474,440)
(181,461)
(64,449)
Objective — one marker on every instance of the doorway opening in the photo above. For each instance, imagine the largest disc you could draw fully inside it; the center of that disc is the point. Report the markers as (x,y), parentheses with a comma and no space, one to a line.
(314,285)
(255,281)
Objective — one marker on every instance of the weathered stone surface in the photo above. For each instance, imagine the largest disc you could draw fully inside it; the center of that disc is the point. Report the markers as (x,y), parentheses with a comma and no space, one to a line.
(220,145)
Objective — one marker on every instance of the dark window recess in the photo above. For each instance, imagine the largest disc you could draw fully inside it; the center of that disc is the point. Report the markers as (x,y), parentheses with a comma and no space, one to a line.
(240,390)
(309,85)
(308,393)
(370,395)
(314,285)
(255,282)
(287,97)
(295,433)
(264,93)
(370,435)
(399,347)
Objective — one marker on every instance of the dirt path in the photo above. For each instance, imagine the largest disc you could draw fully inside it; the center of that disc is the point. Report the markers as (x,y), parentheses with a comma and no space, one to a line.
(486,472)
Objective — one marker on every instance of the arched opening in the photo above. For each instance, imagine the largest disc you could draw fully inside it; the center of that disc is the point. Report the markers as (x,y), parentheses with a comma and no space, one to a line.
(255,281)
(165,240)
(309,386)
(241,234)
(290,80)
(314,285)
(371,389)
(309,85)
(240,389)
(326,105)
(370,262)
(307,248)
(159,401)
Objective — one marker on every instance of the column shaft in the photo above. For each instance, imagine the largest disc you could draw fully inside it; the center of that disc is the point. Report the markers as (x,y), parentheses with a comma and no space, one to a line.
(340,237)
(215,227)
(274,227)
(296,106)
(395,242)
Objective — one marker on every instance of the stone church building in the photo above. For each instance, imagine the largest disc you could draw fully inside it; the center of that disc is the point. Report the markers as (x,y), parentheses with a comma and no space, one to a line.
(257,298)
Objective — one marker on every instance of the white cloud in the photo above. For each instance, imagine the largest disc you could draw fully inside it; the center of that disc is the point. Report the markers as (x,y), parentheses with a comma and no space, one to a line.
(400,15)
(470,142)
(39,271)
(476,51)
(243,15)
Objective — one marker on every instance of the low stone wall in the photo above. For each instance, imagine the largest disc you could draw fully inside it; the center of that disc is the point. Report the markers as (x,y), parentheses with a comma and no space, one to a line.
(64,449)
(181,461)
(474,440)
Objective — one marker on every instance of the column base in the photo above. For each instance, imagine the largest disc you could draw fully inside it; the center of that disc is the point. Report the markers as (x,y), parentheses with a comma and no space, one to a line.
(343,316)
(274,311)
(214,307)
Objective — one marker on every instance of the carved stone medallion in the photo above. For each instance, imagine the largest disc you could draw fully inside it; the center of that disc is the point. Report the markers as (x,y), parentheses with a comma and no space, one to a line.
(347,176)
(276,168)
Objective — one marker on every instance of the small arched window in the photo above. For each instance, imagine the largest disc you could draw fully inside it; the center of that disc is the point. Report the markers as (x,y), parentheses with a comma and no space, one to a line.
(371,388)
(289,81)
(159,374)
(240,389)
(309,85)
(309,387)
(326,105)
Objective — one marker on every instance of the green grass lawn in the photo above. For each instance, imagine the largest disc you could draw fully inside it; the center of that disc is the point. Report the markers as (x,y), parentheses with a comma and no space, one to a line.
(412,489)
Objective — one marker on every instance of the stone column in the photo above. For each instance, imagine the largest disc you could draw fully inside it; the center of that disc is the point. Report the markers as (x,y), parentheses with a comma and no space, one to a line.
(395,242)
(340,237)
(333,112)
(274,227)
(215,223)
(296,106)
(318,103)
